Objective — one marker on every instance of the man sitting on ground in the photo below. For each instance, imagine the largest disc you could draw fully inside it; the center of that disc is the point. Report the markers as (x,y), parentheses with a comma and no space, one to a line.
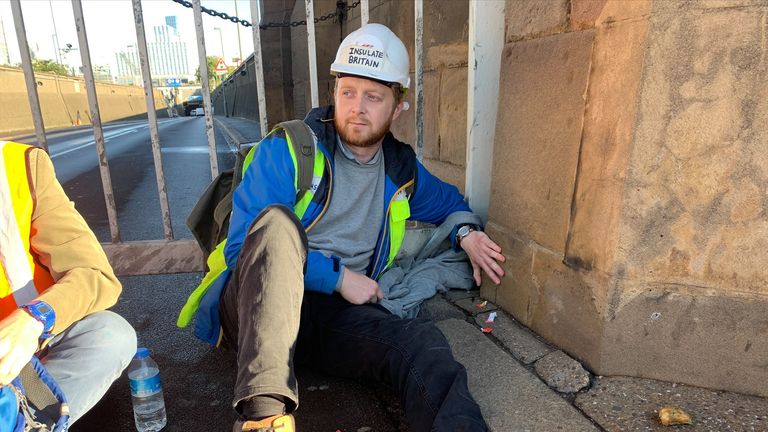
(302,272)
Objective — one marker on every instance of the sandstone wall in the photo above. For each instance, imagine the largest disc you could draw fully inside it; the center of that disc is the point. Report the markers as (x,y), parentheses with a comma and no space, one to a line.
(629,185)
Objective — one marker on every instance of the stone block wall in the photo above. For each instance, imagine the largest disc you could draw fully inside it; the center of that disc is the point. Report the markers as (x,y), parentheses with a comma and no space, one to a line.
(629,185)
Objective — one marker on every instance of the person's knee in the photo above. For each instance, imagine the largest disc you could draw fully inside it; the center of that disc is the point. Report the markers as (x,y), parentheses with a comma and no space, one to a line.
(427,347)
(277,222)
(279,219)
(118,335)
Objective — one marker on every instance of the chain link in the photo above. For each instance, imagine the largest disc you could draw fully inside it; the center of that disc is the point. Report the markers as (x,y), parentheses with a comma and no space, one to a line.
(265,26)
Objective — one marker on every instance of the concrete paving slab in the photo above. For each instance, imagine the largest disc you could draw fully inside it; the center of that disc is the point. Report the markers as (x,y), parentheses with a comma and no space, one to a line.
(632,404)
(511,397)
(521,342)
(437,309)
(562,373)
(455,295)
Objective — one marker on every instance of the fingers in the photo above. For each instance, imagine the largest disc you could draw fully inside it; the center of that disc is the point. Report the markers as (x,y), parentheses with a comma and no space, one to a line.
(492,245)
(19,334)
(10,366)
(494,271)
(496,255)
(487,257)
(476,274)
(377,296)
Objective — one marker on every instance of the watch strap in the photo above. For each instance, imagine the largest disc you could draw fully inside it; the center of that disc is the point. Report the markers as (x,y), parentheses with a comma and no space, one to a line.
(44,313)
(463,231)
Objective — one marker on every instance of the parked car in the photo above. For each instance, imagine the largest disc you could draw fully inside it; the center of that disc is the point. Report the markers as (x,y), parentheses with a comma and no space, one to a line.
(193,102)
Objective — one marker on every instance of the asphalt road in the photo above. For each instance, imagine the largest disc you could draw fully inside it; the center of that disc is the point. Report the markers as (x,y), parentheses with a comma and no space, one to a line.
(129,154)
(197,380)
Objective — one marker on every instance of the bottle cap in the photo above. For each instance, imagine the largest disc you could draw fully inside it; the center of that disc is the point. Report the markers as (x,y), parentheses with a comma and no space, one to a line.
(141,353)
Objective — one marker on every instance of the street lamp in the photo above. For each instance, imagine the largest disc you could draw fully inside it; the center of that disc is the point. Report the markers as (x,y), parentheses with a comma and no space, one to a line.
(221,40)
(64,52)
(55,35)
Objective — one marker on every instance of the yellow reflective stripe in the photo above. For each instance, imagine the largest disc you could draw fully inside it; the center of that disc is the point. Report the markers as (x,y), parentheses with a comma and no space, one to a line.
(5,289)
(217,264)
(399,213)
(391,256)
(18,205)
(301,207)
(14,156)
(248,159)
(327,196)
(5,211)
(318,170)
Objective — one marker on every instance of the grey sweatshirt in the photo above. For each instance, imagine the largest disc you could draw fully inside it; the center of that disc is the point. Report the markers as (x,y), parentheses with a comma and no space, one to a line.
(351,224)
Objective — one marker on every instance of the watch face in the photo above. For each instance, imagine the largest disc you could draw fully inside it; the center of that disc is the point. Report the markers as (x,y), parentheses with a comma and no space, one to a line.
(464,230)
(42,312)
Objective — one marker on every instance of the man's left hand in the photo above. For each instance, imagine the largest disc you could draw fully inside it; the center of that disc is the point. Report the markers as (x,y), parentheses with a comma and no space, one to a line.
(484,254)
(19,337)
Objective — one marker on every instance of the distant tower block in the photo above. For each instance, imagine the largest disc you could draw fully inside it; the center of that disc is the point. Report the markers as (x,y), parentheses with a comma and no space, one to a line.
(170,21)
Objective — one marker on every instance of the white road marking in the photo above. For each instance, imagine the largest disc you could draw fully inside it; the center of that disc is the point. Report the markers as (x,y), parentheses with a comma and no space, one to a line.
(107,136)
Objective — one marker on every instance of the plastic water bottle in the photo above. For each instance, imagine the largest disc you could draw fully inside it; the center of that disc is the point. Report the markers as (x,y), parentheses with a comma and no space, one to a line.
(146,392)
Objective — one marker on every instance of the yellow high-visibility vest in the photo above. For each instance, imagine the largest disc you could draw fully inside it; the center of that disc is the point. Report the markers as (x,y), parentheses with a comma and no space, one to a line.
(22,277)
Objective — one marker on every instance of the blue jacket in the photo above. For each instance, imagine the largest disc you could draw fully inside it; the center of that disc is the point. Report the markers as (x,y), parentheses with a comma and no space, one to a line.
(270,179)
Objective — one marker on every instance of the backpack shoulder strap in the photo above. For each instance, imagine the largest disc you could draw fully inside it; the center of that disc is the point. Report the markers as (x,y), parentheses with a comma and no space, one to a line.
(304,147)
(42,392)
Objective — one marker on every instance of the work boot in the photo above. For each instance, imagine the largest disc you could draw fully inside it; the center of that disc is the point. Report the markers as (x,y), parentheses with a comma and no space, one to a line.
(276,423)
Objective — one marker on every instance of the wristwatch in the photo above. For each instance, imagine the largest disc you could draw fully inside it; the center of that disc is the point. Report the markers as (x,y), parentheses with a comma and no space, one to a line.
(464,231)
(44,313)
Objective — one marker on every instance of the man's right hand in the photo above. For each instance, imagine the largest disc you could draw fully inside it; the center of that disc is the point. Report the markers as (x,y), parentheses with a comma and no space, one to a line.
(357,288)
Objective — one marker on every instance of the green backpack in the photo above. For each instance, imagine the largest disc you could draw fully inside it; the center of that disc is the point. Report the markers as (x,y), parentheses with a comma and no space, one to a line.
(209,218)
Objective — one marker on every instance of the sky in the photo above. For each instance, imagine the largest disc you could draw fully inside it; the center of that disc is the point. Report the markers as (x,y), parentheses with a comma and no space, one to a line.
(110,28)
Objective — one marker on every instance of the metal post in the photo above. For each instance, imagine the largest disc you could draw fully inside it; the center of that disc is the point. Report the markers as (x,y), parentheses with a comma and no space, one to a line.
(29,74)
(486,41)
(141,39)
(257,64)
(221,42)
(55,34)
(312,54)
(418,9)
(5,42)
(224,95)
(206,88)
(239,44)
(364,17)
(98,133)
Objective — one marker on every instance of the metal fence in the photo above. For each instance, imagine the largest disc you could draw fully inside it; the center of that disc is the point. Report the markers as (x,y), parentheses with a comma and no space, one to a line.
(171,255)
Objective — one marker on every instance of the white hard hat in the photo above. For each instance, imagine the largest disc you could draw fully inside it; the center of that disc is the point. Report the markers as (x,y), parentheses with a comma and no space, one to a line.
(373,51)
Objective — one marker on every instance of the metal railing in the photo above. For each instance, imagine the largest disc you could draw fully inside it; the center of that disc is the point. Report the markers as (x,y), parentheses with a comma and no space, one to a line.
(128,258)
(171,255)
